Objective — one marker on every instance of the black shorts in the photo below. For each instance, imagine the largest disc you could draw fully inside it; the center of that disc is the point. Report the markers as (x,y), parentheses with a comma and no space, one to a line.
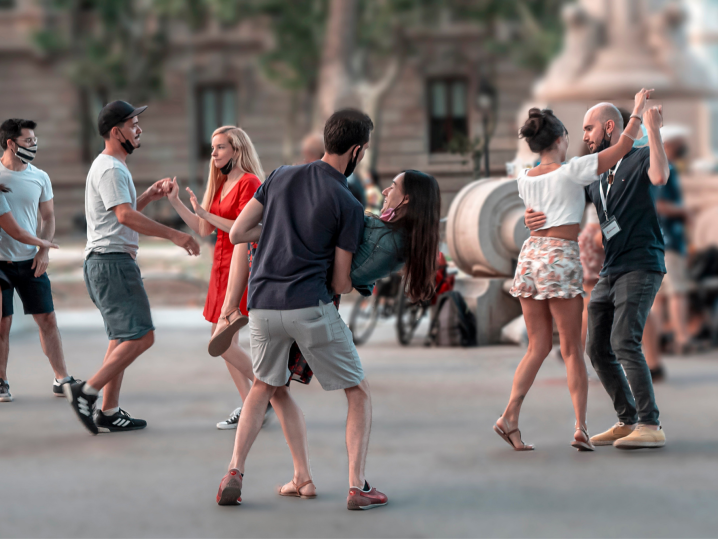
(35,292)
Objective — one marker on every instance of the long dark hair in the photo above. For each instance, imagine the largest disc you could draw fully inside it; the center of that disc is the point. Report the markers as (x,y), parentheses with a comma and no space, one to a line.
(420,228)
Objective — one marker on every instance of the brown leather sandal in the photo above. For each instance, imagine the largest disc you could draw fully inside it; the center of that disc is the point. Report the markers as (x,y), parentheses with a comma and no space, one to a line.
(507,438)
(583,446)
(296,493)
(222,337)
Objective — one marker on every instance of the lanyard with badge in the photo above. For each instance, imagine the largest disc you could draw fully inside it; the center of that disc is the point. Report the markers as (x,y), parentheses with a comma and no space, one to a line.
(610,228)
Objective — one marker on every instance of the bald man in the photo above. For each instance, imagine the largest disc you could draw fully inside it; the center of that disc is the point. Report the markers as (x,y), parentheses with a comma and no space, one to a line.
(630,277)
(312,148)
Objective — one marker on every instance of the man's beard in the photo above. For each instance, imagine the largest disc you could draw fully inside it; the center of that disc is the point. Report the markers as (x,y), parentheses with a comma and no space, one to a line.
(605,143)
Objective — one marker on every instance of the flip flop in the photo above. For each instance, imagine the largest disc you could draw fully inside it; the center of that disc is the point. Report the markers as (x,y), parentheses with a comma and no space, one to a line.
(296,493)
(221,340)
(507,438)
(583,446)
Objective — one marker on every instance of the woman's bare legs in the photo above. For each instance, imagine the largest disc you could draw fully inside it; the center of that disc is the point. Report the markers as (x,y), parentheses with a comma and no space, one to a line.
(237,280)
(567,313)
(539,326)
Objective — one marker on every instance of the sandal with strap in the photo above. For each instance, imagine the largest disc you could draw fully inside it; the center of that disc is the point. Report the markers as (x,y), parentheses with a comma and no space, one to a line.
(222,338)
(583,446)
(297,491)
(507,438)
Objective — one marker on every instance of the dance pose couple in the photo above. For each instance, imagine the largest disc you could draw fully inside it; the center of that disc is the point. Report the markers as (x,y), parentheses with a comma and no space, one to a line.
(617,178)
(315,243)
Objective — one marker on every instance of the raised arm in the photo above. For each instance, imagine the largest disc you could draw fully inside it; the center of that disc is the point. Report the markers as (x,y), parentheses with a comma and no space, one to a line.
(246,228)
(341,276)
(214,220)
(658,170)
(171,187)
(610,156)
(155,192)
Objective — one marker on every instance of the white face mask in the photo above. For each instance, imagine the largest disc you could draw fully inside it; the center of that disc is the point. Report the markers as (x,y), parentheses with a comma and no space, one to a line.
(26,155)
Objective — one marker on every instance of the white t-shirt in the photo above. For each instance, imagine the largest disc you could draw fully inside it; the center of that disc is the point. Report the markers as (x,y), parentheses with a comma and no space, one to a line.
(29,187)
(109,184)
(560,193)
(4,207)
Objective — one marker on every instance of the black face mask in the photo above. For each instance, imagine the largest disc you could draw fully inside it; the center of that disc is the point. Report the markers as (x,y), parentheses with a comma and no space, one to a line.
(352,164)
(605,143)
(127,146)
(226,169)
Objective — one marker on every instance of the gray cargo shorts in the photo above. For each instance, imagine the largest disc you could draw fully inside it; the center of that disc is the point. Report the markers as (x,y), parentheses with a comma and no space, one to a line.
(114,283)
(322,336)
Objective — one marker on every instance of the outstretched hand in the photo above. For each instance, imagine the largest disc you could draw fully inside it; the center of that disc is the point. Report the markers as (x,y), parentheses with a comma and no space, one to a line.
(196,206)
(171,189)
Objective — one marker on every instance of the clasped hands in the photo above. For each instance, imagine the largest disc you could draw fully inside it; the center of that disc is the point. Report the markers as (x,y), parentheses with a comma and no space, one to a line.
(169,188)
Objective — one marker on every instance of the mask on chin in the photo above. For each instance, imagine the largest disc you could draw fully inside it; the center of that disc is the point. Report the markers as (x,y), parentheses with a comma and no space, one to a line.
(26,155)
(352,164)
(389,213)
(127,146)
(605,143)
(226,169)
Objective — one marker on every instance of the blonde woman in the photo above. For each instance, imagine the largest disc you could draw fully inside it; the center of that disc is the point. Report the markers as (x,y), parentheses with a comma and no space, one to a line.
(235,173)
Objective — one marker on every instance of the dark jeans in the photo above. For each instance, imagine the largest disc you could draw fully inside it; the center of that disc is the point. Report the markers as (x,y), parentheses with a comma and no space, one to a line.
(617,315)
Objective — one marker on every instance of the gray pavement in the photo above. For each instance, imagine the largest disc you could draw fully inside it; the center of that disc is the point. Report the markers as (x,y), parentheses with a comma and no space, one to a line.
(432,451)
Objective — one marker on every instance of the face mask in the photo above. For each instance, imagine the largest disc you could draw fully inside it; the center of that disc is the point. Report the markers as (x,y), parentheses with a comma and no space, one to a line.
(605,143)
(127,146)
(352,164)
(26,155)
(226,169)
(389,213)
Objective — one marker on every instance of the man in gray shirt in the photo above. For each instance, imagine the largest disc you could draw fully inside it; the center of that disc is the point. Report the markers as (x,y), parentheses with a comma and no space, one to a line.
(112,276)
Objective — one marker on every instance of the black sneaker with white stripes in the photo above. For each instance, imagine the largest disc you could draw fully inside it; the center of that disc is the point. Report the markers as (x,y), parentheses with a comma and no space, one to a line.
(57,386)
(82,403)
(231,422)
(117,422)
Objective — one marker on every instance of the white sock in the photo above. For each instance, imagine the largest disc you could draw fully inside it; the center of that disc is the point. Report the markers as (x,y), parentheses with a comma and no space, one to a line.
(87,389)
(111,411)
(63,380)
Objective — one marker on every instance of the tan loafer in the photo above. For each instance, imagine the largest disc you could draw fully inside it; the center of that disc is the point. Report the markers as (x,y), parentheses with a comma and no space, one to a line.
(642,437)
(618,431)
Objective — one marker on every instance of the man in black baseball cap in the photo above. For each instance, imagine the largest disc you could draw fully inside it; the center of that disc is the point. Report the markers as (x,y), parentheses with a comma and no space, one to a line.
(116,114)
(112,276)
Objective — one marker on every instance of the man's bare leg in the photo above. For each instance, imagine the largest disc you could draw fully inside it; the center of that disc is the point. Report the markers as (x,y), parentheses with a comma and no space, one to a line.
(295,432)
(250,422)
(51,343)
(119,359)
(358,430)
(5,324)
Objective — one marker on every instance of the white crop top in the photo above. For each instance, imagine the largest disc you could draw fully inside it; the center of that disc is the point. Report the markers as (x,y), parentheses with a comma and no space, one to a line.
(560,193)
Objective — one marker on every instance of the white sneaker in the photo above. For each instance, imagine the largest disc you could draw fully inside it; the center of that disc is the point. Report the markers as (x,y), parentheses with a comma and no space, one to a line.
(231,422)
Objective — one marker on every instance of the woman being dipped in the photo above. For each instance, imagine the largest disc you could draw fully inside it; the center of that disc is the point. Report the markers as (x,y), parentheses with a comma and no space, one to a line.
(235,173)
(548,279)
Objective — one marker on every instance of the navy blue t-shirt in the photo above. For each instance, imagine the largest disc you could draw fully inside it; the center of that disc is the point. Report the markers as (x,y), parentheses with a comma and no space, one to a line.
(639,244)
(308,212)
(673,229)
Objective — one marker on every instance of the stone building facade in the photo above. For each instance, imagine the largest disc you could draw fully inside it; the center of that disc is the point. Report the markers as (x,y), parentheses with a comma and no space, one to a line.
(213,78)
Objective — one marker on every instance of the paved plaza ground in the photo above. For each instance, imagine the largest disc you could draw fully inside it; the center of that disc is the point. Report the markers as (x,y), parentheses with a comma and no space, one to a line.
(432,450)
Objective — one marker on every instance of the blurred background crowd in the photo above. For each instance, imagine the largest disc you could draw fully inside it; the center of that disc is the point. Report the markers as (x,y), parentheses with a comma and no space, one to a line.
(447,83)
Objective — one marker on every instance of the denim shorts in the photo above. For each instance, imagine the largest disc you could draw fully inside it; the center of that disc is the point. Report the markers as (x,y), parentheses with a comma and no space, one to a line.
(115,286)
(35,292)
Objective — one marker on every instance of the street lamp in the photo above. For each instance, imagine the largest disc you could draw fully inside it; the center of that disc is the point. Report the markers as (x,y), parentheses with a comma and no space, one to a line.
(487,103)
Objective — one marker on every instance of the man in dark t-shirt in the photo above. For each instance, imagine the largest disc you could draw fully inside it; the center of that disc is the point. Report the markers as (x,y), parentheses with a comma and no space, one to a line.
(310,227)
(630,277)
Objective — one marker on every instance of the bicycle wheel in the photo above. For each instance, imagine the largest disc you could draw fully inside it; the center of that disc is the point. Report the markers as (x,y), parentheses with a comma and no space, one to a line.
(408,317)
(363,318)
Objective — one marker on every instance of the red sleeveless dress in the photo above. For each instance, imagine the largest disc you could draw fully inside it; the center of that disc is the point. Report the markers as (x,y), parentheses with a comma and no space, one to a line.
(228,208)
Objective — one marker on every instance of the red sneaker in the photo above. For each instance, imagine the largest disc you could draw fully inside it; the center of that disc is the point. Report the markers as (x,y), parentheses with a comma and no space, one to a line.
(359,499)
(230,489)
